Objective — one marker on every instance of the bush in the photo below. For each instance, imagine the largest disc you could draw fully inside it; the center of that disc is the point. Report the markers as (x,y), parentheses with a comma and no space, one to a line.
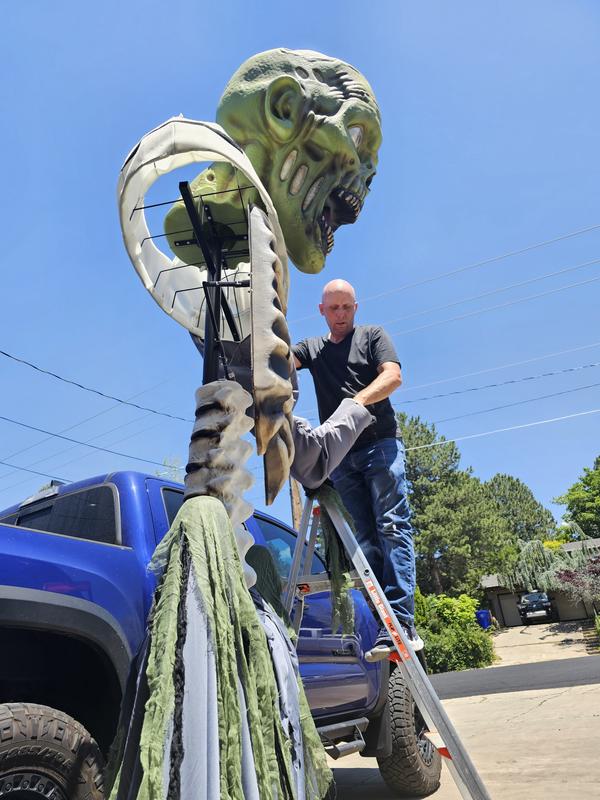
(597,624)
(456,648)
(453,639)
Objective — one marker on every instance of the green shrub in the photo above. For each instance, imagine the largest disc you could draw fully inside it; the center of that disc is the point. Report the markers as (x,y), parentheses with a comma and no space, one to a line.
(455,648)
(597,624)
(453,639)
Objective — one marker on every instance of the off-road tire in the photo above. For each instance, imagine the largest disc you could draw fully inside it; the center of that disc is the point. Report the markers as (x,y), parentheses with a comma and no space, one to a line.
(47,754)
(414,766)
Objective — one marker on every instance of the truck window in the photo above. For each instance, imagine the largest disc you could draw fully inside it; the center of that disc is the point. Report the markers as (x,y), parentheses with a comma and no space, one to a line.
(281,543)
(88,514)
(173,500)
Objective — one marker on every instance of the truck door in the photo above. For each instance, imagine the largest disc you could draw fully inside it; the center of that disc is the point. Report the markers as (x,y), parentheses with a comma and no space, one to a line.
(334,673)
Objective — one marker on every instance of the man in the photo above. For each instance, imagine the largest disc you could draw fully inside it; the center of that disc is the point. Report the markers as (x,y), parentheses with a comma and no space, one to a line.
(361,363)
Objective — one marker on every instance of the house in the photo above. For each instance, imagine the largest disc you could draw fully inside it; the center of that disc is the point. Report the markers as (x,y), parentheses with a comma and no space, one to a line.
(503,601)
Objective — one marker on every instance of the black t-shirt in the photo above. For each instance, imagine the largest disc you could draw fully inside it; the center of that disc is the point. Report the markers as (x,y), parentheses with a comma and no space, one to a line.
(341,370)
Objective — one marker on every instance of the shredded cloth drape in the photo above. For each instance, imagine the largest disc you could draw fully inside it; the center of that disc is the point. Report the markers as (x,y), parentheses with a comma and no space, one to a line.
(336,559)
(225,716)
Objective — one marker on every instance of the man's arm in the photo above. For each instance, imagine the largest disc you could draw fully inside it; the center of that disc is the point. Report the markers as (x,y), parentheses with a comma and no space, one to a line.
(388,380)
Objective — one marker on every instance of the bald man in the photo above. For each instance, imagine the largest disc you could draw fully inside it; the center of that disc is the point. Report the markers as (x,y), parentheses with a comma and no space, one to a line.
(360,362)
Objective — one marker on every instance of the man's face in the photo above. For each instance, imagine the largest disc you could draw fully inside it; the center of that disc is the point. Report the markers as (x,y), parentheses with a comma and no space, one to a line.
(339,309)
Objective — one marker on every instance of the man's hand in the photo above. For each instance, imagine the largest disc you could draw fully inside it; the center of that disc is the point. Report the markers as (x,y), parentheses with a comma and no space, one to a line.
(388,380)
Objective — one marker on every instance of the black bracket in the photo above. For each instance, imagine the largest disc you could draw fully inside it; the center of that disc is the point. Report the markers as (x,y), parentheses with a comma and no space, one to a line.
(216,301)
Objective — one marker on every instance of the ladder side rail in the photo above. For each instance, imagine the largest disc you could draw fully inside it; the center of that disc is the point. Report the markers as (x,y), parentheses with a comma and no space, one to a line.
(290,591)
(458,760)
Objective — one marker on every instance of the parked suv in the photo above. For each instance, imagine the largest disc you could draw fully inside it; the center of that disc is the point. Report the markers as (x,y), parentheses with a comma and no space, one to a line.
(535,606)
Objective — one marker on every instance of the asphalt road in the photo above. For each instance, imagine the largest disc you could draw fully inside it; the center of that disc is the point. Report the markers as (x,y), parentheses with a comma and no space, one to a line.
(518,678)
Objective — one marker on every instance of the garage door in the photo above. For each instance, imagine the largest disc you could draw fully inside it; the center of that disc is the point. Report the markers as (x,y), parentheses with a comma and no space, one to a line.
(567,609)
(508,604)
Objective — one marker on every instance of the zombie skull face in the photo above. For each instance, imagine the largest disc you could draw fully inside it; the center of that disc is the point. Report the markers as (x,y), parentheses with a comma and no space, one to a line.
(311,127)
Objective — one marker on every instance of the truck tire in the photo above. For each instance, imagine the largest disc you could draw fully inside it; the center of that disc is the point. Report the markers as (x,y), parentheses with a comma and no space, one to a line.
(47,754)
(414,766)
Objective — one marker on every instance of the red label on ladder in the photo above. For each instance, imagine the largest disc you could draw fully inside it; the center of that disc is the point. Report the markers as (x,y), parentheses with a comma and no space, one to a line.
(387,620)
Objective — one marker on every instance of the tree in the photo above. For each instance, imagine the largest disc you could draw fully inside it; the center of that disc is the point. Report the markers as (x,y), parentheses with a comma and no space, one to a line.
(514,500)
(459,534)
(539,567)
(582,582)
(582,500)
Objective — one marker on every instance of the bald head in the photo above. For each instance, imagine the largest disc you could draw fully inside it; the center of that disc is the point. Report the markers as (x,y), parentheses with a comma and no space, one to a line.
(339,285)
(338,306)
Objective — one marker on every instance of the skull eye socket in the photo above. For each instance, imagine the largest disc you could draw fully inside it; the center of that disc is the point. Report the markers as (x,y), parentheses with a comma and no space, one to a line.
(356,134)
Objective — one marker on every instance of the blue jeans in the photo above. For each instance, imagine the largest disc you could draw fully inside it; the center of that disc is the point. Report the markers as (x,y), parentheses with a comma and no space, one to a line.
(372,484)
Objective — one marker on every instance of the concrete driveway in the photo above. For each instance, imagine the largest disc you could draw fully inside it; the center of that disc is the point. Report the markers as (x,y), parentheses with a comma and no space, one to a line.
(542,642)
(529,745)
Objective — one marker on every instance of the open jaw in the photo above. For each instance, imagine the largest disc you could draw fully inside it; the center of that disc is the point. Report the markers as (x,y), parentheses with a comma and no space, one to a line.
(340,207)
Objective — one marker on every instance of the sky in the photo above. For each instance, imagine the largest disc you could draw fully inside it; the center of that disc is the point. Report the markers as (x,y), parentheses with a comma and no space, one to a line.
(490,154)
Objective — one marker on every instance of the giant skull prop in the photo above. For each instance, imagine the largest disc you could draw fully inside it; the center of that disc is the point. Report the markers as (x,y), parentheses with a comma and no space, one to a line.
(311,127)
(297,143)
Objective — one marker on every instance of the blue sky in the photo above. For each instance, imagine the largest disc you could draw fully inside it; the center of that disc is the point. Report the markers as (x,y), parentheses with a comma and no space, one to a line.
(490,125)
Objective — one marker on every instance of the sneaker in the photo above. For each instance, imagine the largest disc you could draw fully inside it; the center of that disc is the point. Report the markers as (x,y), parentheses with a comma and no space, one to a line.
(383,647)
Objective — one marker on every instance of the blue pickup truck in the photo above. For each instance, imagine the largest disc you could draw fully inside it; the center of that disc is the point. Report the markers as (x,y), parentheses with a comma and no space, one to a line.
(74,597)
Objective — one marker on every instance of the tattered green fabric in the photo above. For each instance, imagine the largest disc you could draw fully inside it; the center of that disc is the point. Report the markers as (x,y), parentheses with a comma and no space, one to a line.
(268,581)
(203,529)
(336,559)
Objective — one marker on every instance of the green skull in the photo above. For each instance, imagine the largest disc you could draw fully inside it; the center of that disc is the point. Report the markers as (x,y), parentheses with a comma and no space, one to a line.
(311,127)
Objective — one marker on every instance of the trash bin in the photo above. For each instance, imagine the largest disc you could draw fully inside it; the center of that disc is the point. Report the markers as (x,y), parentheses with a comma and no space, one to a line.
(484,618)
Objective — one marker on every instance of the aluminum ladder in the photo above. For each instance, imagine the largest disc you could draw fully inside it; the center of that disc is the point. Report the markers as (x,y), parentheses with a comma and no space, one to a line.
(442,733)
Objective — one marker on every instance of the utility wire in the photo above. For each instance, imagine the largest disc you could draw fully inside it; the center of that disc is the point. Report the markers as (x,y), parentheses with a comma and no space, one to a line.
(501,366)
(77,425)
(490,385)
(33,472)
(80,457)
(475,265)
(517,403)
(493,291)
(500,383)
(494,308)
(89,389)
(503,430)
(75,441)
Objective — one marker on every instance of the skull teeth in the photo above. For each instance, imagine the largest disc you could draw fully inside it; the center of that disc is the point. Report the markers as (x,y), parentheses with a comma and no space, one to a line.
(352,200)
(326,235)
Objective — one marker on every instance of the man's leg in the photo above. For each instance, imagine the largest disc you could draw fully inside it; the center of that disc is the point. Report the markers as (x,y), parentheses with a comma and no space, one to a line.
(385,474)
(348,480)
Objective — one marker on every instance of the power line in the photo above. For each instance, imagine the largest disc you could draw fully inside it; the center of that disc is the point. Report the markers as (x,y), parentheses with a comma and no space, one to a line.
(500,383)
(494,308)
(493,291)
(517,403)
(75,441)
(84,455)
(501,366)
(493,385)
(33,472)
(503,430)
(475,265)
(89,389)
(77,425)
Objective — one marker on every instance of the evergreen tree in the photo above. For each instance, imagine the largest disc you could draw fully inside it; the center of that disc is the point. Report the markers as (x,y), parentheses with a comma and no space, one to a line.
(514,500)
(459,534)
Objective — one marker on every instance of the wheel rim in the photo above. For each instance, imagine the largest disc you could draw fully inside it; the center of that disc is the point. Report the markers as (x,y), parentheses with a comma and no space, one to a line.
(426,749)
(25,785)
